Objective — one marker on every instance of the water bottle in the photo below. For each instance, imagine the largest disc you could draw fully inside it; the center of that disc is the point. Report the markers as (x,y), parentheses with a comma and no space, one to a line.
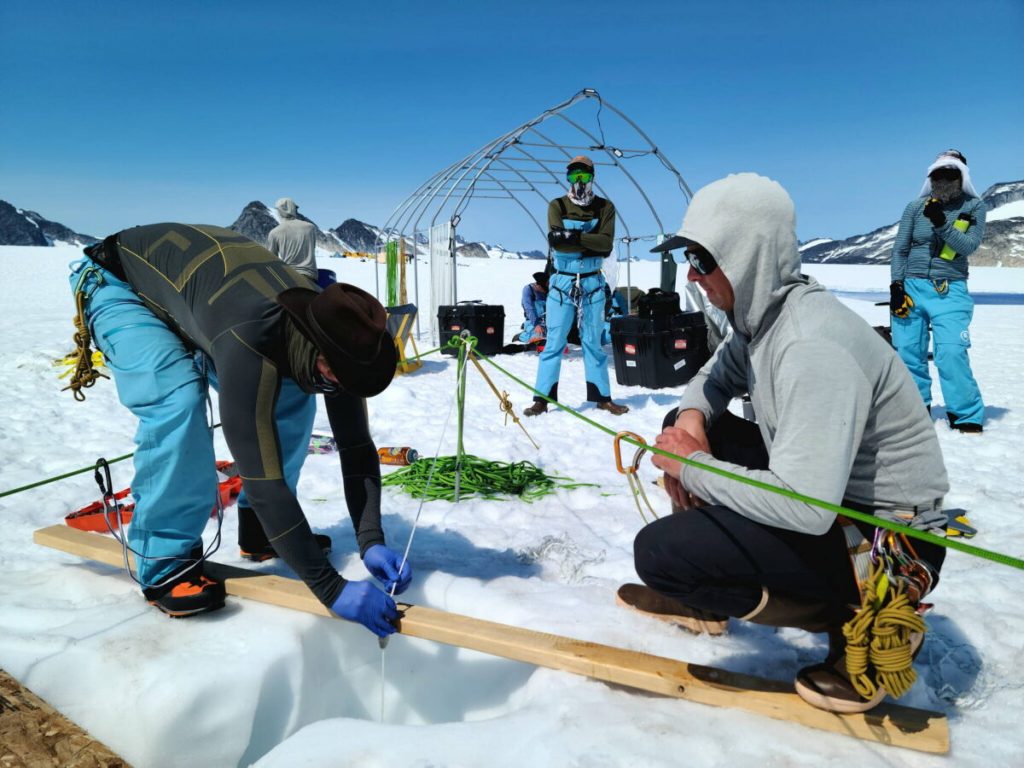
(963,221)
(401,457)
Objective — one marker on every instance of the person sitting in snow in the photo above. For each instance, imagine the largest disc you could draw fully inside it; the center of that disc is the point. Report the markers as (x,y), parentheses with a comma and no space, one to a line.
(175,306)
(839,419)
(581,234)
(534,299)
(294,239)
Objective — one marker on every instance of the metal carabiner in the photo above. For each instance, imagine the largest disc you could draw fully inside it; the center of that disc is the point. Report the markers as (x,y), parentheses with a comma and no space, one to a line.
(617,447)
(635,483)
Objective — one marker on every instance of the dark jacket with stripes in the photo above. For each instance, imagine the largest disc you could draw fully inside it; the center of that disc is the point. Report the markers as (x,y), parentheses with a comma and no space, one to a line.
(216,289)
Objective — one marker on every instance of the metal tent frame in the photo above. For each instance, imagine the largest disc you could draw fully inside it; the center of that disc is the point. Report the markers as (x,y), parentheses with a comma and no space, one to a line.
(511,167)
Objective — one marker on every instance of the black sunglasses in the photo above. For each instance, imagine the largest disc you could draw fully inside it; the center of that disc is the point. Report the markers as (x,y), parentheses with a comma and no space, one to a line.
(945,174)
(323,385)
(702,262)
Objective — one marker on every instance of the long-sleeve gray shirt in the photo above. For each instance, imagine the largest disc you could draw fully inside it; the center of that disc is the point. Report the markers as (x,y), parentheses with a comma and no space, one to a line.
(836,407)
(293,241)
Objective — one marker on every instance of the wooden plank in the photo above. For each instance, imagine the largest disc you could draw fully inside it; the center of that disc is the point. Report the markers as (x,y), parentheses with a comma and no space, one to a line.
(32,733)
(888,724)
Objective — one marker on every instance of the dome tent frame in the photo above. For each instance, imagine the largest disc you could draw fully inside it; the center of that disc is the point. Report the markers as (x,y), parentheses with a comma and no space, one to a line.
(512,167)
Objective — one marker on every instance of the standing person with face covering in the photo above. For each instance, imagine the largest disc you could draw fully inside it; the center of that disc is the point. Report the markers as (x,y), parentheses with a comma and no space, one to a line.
(581,234)
(938,232)
(293,241)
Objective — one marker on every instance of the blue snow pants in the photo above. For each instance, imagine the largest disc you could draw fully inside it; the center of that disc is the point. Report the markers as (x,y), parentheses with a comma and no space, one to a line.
(564,295)
(949,313)
(165,387)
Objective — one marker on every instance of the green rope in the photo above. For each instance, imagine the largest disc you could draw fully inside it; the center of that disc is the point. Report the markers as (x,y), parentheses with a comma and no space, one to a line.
(453,478)
(478,478)
(421,354)
(931,538)
(66,475)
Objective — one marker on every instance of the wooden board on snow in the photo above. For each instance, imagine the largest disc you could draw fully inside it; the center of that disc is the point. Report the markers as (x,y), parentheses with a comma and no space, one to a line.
(888,724)
(32,733)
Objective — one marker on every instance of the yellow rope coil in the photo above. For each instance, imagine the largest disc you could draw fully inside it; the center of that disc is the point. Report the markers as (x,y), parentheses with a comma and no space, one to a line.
(879,646)
(83,374)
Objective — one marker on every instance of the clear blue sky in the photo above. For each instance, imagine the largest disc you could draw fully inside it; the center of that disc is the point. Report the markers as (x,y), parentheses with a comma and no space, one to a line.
(122,113)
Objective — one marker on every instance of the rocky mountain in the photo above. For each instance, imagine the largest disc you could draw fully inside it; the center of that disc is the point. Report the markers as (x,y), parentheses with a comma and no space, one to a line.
(1003,244)
(20,227)
(472,251)
(357,236)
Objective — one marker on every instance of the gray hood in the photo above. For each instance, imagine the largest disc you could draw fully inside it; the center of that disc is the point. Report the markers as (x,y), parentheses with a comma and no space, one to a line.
(748,223)
(287,208)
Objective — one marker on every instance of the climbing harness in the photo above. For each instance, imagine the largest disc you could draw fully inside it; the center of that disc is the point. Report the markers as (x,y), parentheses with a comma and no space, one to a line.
(883,636)
(83,372)
(635,484)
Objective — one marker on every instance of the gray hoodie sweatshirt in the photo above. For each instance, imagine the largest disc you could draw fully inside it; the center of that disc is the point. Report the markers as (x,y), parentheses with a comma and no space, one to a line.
(293,241)
(837,409)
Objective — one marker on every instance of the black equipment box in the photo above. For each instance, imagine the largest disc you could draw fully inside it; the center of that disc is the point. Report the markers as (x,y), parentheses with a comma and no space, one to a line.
(485,321)
(659,306)
(648,357)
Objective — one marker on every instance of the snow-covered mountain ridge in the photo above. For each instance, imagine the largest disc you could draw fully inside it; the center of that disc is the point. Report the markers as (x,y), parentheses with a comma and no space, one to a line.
(1003,244)
(354,236)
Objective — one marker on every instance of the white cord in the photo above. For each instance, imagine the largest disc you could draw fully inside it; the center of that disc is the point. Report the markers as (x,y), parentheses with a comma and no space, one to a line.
(383,641)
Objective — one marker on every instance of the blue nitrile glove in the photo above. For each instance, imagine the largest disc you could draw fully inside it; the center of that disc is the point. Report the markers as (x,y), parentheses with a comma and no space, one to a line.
(383,563)
(362,602)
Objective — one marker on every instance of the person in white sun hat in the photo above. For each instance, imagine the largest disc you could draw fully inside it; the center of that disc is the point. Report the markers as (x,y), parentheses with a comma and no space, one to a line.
(938,232)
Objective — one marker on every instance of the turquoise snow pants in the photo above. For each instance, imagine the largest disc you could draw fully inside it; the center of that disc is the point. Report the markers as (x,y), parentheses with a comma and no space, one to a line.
(563,298)
(949,313)
(165,387)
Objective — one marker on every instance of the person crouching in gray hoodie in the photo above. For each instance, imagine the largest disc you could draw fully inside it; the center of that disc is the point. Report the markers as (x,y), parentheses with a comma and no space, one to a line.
(838,419)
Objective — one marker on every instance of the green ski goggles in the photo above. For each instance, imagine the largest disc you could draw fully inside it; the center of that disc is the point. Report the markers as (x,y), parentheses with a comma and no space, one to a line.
(580,176)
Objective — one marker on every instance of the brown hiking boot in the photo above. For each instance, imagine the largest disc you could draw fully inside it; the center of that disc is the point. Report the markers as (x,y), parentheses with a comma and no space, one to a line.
(613,408)
(538,407)
(827,685)
(645,600)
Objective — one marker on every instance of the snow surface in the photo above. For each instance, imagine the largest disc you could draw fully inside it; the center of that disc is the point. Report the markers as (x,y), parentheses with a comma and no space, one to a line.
(265,685)
(1008,211)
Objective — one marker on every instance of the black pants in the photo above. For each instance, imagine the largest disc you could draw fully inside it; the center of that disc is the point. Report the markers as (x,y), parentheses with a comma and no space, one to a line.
(718,560)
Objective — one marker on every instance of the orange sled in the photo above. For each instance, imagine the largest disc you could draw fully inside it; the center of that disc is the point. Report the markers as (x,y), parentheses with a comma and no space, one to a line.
(92,518)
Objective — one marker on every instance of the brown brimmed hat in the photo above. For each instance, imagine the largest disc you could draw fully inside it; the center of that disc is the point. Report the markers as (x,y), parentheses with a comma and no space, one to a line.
(349,328)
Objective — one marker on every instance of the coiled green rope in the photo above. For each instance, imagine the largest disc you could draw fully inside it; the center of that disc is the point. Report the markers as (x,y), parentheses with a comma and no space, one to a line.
(480,478)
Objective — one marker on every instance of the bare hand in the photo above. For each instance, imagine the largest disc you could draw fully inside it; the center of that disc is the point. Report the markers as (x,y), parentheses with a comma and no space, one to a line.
(682,443)
(681,498)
